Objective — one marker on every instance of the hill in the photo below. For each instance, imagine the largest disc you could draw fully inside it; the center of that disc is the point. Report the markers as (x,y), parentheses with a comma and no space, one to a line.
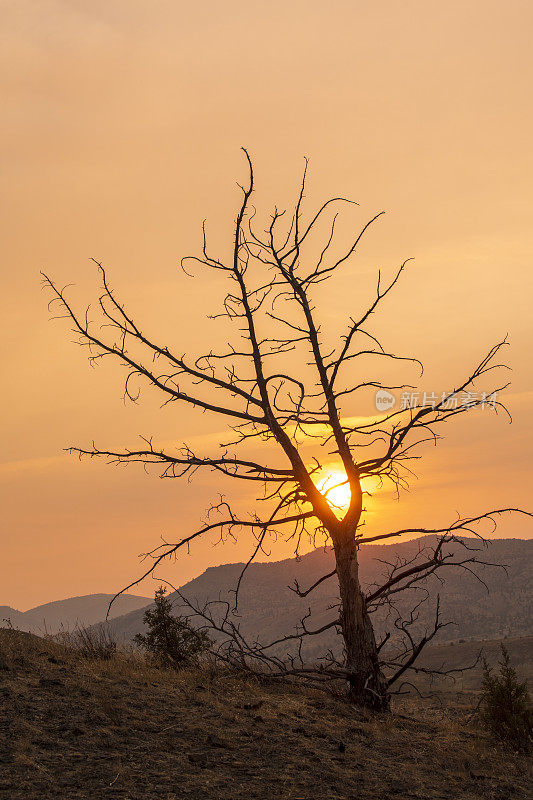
(77,729)
(268,609)
(66,614)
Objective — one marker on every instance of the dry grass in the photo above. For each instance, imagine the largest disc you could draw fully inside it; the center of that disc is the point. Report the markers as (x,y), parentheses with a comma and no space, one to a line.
(95,643)
(75,728)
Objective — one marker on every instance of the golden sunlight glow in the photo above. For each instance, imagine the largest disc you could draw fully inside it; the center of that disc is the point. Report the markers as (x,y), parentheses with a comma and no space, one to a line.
(371,484)
(334,485)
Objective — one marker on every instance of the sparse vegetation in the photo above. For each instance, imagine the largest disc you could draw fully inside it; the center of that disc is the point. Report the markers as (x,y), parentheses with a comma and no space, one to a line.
(170,640)
(94,642)
(506,706)
(80,729)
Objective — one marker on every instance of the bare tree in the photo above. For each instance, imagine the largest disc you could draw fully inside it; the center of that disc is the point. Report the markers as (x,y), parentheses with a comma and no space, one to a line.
(266,395)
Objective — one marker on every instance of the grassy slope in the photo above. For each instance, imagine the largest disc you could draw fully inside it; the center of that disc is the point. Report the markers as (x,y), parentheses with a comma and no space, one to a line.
(74,729)
(465,653)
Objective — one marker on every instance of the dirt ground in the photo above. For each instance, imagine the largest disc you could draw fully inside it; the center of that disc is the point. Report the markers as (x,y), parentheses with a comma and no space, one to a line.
(72,729)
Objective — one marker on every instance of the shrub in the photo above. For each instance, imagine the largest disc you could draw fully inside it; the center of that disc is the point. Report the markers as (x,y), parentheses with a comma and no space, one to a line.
(505,705)
(170,640)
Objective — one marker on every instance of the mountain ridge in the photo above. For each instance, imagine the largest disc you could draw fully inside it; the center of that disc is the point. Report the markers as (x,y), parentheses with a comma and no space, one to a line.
(66,614)
(267,608)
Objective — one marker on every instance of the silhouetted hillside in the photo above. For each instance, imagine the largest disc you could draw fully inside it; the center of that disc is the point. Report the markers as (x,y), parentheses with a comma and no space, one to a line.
(66,614)
(268,609)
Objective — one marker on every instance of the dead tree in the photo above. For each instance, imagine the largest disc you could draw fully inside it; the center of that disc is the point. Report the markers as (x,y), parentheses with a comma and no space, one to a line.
(278,384)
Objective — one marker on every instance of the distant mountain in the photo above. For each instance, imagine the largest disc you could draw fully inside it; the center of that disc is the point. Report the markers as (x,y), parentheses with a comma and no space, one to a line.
(6,612)
(66,614)
(268,609)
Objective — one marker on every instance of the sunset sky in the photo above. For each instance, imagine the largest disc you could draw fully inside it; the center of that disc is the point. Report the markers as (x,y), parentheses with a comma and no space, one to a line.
(122,123)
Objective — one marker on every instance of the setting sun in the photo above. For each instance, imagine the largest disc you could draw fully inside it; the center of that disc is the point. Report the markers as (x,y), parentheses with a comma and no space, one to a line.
(334,485)
(256,451)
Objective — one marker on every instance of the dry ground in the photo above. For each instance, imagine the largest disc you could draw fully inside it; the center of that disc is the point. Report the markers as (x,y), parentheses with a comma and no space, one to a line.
(76,729)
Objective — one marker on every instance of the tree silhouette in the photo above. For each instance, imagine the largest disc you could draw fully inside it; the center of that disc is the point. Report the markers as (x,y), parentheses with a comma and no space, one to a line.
(170,640)
(261,386)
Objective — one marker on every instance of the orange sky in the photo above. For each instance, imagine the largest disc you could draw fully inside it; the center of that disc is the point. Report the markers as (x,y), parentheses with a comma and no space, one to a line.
(121,127)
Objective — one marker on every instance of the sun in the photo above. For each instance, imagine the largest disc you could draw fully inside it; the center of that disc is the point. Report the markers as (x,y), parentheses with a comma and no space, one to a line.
(334,485)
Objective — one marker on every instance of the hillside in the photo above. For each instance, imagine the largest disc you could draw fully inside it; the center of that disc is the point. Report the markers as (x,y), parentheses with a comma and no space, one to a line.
(82,730)
(66,614)
(268,609)
(456,655)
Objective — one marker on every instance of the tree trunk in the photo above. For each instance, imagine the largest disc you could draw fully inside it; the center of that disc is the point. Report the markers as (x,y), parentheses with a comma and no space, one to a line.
(367,684)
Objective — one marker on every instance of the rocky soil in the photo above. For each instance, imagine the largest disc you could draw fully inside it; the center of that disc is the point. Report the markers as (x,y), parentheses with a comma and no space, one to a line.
(73,729)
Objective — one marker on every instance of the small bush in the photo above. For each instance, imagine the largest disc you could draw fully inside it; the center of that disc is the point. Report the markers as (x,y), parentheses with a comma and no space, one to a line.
(506,706)
(96,643)
(170,640)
